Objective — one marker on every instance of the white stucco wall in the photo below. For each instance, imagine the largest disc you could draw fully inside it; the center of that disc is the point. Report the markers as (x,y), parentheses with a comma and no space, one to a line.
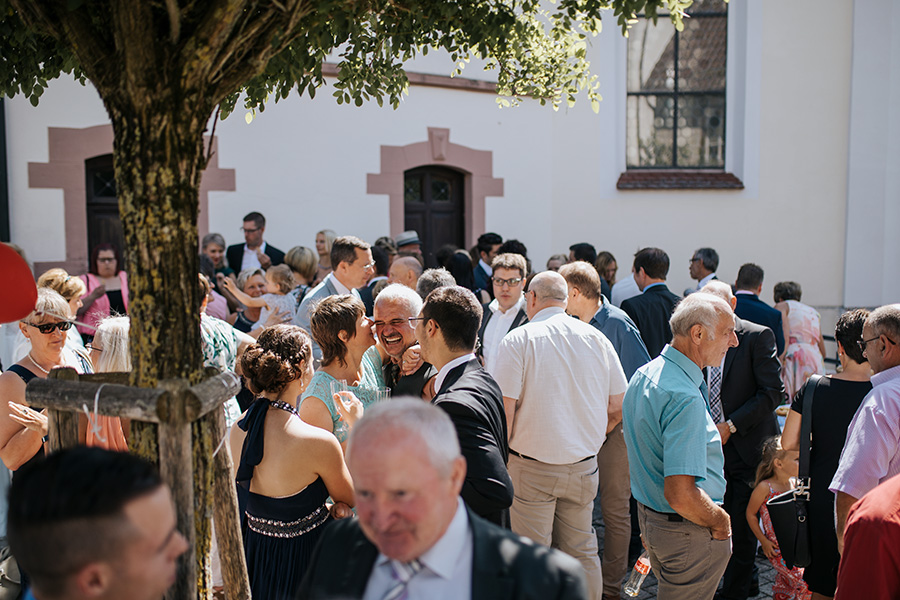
(304,163)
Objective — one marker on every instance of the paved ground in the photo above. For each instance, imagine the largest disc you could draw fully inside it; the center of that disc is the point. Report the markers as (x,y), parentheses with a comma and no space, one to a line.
(766,579)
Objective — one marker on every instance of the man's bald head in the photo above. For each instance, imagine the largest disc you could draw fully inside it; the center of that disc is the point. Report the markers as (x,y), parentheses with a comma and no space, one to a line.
(547,289)
(405,270)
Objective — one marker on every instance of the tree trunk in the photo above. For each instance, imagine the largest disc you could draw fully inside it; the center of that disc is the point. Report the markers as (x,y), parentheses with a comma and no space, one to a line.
(159,157)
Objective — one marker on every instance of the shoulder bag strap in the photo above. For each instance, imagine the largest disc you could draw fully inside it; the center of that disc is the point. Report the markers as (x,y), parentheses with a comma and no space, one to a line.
(806,427)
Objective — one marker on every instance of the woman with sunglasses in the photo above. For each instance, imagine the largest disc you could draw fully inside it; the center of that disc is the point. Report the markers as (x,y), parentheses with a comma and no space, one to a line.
(107,289)
(71,289)
(23,430)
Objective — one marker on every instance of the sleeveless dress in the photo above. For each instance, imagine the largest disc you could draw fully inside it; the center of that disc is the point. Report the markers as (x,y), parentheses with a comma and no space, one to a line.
(802,357)
(789,584)
(280,534)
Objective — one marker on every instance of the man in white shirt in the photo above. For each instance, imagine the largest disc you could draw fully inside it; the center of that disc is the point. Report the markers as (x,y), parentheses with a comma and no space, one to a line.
(562,389)
(414,537)
(507,310)
(254,253)
(352,261)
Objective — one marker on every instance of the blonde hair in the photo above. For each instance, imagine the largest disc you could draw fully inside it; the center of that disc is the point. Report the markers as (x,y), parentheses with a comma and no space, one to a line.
(112,336)
(771,450)
(49,303)
(330,236)
(282,276)
(302,260)
(58,280)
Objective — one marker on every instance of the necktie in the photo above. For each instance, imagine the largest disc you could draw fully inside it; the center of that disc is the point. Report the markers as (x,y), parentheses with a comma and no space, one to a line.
(403,572)
(715,394)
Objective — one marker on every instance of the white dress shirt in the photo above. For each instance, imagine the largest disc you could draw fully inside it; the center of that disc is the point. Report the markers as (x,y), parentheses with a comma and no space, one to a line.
(625,289)
(442,374)
(447,566)
(251,260)
(496,328)
(704,281)
(340,287)
(487,268)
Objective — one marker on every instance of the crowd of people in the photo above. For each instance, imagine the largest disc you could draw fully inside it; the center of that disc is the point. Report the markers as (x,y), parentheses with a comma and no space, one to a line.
(462,431)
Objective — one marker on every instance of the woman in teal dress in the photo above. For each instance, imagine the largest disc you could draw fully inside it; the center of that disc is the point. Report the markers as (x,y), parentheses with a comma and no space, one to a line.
(347,339)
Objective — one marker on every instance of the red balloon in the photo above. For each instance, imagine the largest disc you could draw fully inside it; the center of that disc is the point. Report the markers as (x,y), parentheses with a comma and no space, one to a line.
(19,290)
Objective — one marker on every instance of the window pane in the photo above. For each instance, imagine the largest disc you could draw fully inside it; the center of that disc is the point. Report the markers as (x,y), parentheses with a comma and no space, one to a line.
(701,54)
(701,131)
(651,57)
(105,183)
(650,122)
(706,6)
(440,190)
(412,191)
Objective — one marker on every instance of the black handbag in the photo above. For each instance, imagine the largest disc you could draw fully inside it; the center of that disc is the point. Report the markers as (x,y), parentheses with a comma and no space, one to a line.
(789,511)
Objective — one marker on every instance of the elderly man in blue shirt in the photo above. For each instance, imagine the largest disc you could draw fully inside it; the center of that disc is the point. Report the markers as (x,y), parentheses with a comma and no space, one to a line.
(675,452)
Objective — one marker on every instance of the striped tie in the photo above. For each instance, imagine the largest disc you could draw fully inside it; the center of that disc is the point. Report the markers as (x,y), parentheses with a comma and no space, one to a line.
(403,572)
(715,394)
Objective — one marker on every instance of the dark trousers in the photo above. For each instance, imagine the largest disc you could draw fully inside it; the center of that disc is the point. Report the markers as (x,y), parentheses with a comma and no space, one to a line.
(738,575)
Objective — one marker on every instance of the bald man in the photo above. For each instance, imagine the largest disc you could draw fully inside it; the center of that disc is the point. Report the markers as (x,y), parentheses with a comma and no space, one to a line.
(405,270)
(561,380)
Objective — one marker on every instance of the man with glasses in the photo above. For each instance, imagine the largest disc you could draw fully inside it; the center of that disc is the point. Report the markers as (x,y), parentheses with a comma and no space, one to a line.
(507,310)
(446,331)
(254,253)
(871,454)
(703,265)
(394,306)
(351,259)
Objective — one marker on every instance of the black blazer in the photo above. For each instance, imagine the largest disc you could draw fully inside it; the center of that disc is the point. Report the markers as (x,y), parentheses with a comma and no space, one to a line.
(521,319)
(235,255)
(650,311)
(505,566)
(475,404)
(751,308)
(751,389)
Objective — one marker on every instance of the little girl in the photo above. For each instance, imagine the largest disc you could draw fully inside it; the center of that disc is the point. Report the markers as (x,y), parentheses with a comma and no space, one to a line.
(279,281)
(773,477)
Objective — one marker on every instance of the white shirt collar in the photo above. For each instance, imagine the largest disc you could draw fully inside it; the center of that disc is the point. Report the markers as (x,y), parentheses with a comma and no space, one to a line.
(442,374)
(548,312)
(441,558)
(705,280)
(745,292)
(494,306)
(487,268)
(340,287)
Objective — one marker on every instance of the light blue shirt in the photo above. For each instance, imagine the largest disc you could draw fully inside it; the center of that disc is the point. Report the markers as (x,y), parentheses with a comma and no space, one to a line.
(668,430)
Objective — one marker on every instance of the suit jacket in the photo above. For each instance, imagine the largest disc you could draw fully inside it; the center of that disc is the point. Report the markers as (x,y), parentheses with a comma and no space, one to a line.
(751,308)
(235,255)
(483,280)
(367,296)
(301,316)
(407,385)
(475,404)
(505,566)
(650,311)
(520,319)
(751,389)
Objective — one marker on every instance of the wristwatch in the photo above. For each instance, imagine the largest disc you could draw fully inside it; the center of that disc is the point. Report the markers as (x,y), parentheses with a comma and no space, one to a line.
(731,426)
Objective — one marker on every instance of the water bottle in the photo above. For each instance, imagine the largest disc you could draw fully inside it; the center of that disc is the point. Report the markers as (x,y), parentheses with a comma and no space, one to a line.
(638,574)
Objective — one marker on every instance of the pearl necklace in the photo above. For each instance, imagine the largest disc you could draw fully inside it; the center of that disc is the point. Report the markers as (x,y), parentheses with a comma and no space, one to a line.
(34,362)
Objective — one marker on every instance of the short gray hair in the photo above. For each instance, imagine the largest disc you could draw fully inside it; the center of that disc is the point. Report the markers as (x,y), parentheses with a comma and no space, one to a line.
(410,263)
(246,274)
(699,309)
(397,292)
(414,418)
(886,321)
(213,238)
(549,285)
(432,279)
(720,289)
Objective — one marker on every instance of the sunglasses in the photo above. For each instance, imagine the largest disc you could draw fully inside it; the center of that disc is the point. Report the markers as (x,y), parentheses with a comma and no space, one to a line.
(49,327)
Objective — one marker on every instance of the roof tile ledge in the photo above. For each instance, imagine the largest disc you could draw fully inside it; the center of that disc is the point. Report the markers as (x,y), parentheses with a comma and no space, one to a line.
(678,180)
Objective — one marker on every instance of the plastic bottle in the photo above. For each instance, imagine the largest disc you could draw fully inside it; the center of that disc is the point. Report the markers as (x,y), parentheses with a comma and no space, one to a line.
(638,574)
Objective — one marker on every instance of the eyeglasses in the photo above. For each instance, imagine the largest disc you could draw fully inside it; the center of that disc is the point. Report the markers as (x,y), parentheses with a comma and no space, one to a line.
(511,282)
(863,344)
(414,320)
(245,230)
(693,260)
(46,328)
(394,323)
(368,266)
(92,348)
(106,260)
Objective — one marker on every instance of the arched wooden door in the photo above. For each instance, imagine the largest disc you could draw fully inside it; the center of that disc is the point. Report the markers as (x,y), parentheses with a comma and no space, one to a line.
(434,204)
(103,222)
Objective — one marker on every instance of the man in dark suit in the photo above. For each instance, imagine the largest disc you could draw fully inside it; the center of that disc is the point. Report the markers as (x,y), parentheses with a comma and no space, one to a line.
(743,395)
(254,252)
(488,244)
(507,310)
(394,307)
(749,307)
(367,292)
(703,267)
(414,537)
(651,310)
(466,392)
